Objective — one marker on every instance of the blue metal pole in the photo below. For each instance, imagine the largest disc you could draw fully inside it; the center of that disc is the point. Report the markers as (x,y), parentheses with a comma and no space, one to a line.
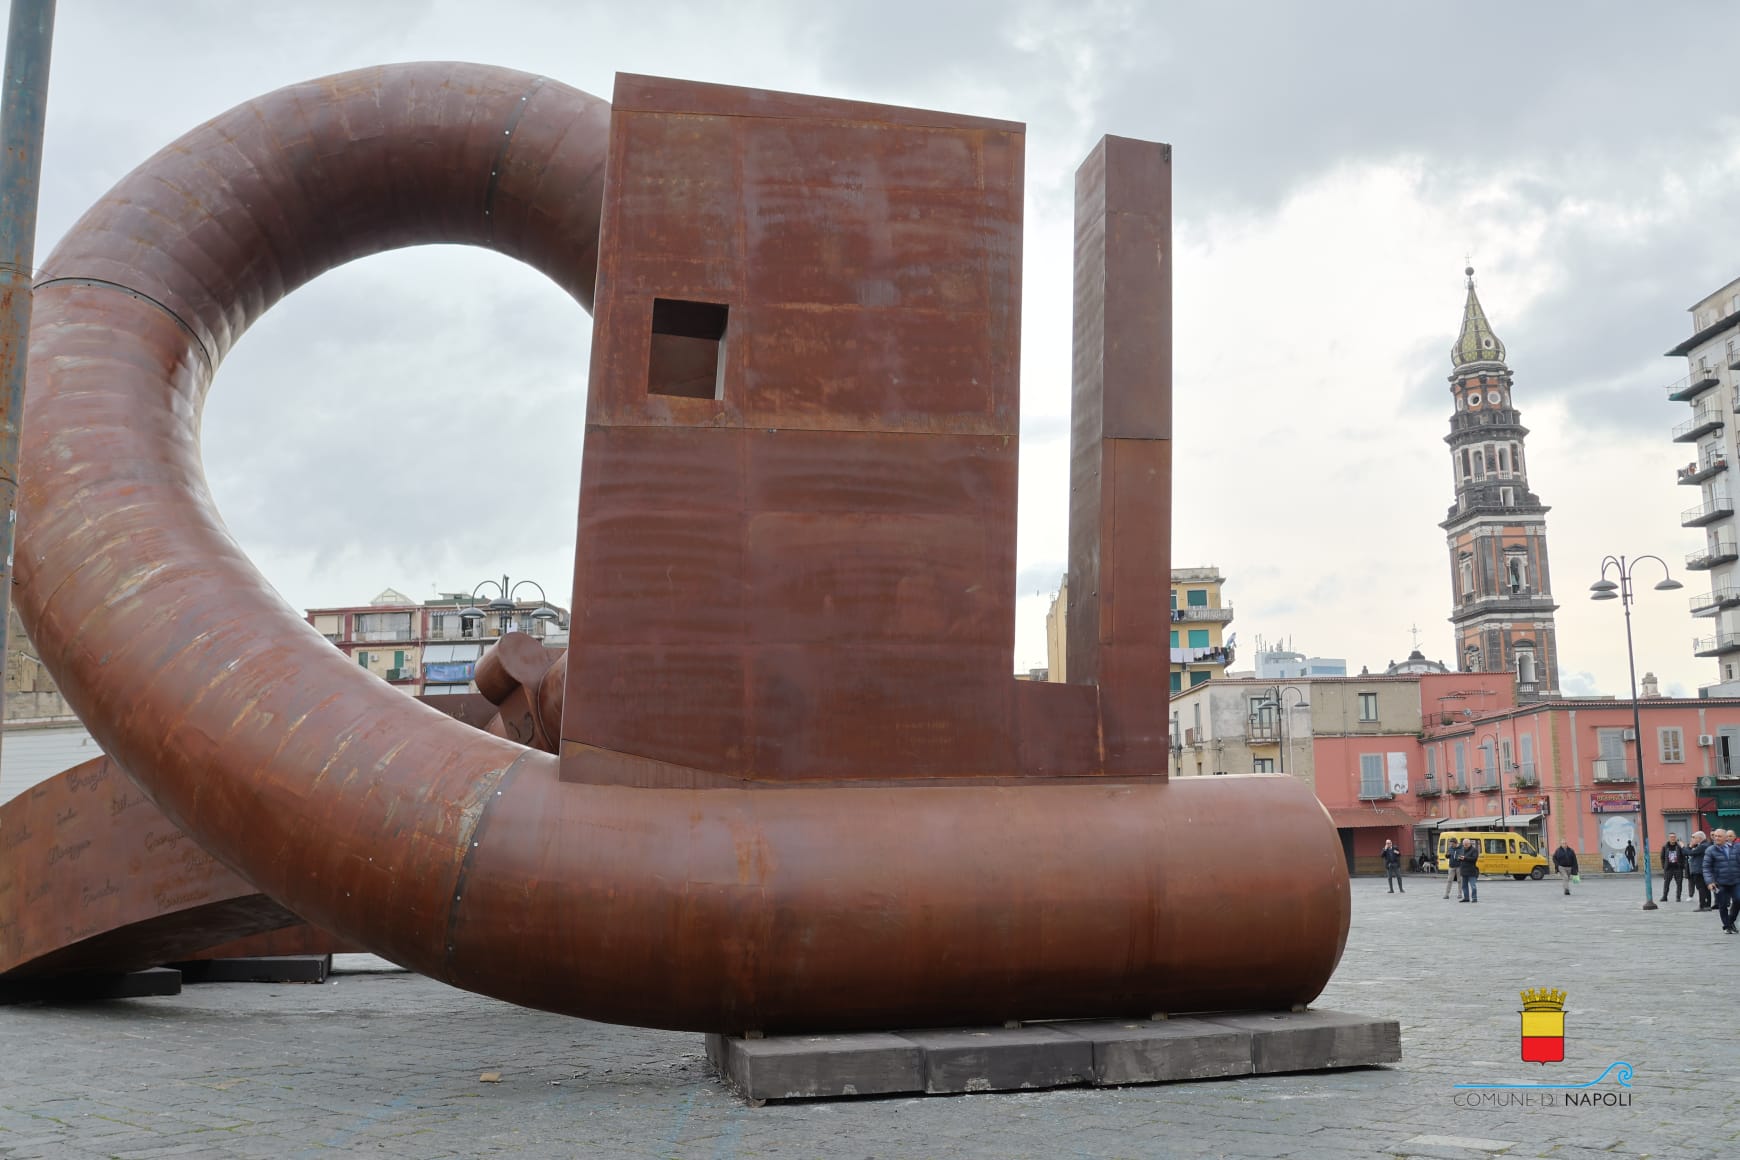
(23,104)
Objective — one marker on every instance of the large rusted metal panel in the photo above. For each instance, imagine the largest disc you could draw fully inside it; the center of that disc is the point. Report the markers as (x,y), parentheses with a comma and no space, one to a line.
(95,880)
(829,591)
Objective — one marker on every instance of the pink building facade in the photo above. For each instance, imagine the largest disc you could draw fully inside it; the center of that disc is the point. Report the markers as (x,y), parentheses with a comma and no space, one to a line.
(1560,770)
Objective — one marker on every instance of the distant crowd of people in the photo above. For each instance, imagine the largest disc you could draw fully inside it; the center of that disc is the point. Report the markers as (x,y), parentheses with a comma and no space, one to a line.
(1711,864)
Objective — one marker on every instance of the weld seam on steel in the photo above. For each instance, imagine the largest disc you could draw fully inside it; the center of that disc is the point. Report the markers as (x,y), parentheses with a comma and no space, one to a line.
(105,284)
(471,842)
(507,137)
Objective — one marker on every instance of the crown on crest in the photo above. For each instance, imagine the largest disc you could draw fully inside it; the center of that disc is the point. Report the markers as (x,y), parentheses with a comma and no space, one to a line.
(1543,999)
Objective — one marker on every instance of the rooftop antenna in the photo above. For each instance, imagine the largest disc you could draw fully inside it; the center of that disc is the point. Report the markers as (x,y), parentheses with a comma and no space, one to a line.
(1415,630)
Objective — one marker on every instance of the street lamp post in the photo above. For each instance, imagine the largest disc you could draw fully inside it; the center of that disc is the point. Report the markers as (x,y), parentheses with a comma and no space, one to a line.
(1275,695)
(1605,589)
(504,603)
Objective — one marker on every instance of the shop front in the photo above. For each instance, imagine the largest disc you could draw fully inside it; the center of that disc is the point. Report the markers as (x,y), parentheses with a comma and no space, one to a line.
(1363,830)
(1718,806)
(1616,829)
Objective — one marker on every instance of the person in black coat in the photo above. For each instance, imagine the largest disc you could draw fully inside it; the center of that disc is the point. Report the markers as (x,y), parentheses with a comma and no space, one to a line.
(1392,866)
(1565,862)
(1469,868)
(1673,868)
(1695,863)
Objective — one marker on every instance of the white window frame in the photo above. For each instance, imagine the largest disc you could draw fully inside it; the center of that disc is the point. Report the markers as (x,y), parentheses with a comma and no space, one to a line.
(1671,744)
(1368,701)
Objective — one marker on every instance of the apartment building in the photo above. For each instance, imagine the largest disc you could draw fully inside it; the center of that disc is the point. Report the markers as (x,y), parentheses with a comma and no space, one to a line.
(431,648)
(1201,648)
(1711,390)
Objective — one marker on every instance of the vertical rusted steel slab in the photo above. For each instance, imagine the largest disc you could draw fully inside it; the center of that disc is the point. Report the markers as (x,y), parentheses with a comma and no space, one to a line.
(1120,522)
(800,564)
(29,37)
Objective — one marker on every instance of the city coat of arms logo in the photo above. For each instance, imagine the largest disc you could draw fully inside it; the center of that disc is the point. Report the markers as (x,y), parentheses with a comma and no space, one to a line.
(1543,1026)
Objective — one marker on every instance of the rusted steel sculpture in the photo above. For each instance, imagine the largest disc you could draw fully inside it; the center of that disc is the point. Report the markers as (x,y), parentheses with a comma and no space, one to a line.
(797,787)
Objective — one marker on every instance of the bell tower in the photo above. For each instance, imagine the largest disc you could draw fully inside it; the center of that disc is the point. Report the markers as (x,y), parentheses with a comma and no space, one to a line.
(1502,603)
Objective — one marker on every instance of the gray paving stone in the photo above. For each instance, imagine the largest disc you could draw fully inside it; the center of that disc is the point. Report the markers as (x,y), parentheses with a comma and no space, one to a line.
(803,1066)
(1162,1051)
(993,1059)
(1316,1039)
(396,1058)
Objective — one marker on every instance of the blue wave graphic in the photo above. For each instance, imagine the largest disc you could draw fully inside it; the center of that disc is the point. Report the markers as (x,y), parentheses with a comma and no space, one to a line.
(1622,1078)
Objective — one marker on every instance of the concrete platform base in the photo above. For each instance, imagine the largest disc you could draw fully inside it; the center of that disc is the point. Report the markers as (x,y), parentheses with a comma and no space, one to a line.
(1052,1054)
(257,969)
(92,988)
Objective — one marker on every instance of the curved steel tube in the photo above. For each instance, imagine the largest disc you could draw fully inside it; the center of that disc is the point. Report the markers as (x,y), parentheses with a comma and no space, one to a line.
(460,854)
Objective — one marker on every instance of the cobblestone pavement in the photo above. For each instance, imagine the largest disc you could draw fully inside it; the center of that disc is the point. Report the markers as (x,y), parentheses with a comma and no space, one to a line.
(389,1064)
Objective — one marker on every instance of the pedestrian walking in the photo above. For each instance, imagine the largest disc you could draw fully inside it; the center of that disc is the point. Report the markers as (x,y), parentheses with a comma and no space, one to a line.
(1722,870)
(1392,866)
(1630,857)
(1453,872)
(1673,868)
(1565,862)
(1470,870)
(1695,866)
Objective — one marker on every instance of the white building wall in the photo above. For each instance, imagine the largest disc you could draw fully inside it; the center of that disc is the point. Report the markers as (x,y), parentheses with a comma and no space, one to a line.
(32,755)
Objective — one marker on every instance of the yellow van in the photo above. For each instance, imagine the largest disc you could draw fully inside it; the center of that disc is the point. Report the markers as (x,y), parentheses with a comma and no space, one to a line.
(1500,853)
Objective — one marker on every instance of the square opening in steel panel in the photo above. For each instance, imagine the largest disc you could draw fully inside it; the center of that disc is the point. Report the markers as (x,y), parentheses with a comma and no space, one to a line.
(688,347)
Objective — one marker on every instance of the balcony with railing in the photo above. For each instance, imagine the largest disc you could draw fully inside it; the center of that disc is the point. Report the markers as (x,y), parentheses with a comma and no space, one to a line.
(1525,776)
(1733,358)
(1428,787)
(1220,615)
(1719,551)
(1714,646)
(1605,769)
(1718,507)
(1699,470)
(379,635)
(1702,423)
(1375,792)
(1711,602)
(1693,385)
(1456,785)
(1261,732)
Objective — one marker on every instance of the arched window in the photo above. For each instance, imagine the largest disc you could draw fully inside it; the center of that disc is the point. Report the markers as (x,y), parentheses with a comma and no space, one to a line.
(1517,572)
(1465,571)
(1525,666)
(1479,464)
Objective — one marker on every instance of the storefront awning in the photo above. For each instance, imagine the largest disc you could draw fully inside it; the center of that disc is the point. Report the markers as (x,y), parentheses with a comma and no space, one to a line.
(1355,818)
(1488,822)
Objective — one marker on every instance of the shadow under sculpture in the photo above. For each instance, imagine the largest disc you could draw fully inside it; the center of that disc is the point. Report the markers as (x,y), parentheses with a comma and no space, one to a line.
(793,786)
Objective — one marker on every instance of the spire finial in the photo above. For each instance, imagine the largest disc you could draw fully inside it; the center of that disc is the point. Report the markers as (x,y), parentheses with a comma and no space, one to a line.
(1476,343)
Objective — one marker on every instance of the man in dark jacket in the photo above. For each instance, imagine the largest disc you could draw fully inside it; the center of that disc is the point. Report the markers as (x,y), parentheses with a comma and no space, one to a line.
(1469,868)
(1453,863)
(1565,862)
(1392,866)
(1722,870)
(1695,866)
(1673,868)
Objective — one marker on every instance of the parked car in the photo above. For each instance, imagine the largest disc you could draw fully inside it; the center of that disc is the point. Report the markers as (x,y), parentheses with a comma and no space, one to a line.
(1500,853)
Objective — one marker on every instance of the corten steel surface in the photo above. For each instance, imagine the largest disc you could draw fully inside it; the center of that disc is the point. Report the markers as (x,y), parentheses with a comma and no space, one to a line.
(1120,515)
(94,879)
(786,879)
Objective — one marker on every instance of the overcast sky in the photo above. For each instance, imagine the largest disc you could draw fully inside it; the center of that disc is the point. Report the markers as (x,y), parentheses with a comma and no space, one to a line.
(1333,164)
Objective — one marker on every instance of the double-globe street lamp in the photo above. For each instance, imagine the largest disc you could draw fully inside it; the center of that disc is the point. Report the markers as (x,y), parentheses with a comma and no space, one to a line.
(504,603)
(1274,697)
(1605,589)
